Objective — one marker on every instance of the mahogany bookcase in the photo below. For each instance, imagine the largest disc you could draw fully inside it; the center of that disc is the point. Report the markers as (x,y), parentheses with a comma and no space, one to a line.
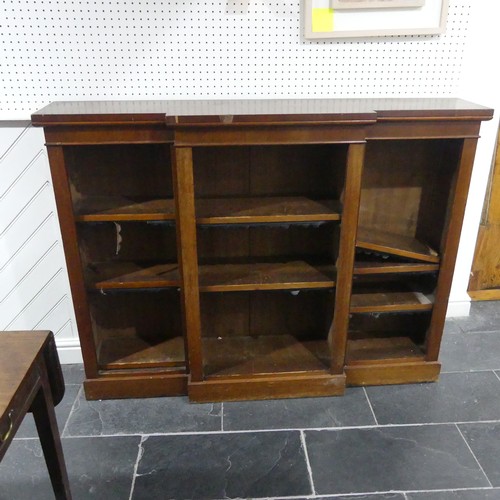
(260,249)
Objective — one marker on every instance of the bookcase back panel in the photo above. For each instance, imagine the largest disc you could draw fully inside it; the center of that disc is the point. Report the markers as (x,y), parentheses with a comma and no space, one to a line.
(406,187)
(134,329)
(316,171)
(148,314)
(418,282)
(233,243)
(412,325)
(125,170)
(304,314)
(127,241)
(437,199)
(221,172)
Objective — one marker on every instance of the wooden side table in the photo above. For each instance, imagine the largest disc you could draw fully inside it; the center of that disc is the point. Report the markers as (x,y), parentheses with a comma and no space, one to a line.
(31,380)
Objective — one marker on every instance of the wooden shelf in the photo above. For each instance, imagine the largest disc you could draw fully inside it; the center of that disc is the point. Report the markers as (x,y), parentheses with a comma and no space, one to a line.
(126,275)
(370,267)
(389,301)
(233,356)
(377,350)
(212,278)
(395,244)
(265,210)
(265,276)
(105,208)
(131,352)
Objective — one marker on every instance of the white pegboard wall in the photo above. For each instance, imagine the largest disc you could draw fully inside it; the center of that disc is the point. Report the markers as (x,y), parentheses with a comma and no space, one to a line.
(160,49)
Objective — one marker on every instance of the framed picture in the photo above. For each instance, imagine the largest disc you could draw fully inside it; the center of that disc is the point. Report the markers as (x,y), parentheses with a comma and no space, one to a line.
(375,4)
(364,18)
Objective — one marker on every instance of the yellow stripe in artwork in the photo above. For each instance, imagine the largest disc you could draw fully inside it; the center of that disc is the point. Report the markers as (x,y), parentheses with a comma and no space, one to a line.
(322,20)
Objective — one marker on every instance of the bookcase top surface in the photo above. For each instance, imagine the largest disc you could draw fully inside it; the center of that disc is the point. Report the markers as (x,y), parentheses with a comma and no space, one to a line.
(236,111)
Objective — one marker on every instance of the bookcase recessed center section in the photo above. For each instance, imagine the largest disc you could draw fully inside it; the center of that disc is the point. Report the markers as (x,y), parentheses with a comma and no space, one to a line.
(268,227)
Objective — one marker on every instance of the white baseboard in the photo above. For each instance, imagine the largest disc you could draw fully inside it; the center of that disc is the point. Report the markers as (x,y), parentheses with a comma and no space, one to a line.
(458,308)
(69,351)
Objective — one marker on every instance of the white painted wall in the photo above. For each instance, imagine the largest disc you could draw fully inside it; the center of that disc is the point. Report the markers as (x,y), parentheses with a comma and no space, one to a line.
(102,49)
(227,49)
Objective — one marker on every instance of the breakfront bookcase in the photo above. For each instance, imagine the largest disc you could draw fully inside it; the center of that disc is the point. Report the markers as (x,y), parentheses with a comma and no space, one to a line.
(260,249)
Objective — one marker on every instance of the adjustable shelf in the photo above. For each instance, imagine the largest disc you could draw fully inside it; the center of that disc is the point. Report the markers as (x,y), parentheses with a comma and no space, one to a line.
(395,244)
(259,210)
(263,355)
(294,275)
(115,208)
(381,350)
(129,353)
(370,266)
(386,301)
(265,276)
(127,275)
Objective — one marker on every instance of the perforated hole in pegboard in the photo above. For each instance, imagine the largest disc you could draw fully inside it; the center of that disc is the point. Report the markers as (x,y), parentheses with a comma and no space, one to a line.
(109,49)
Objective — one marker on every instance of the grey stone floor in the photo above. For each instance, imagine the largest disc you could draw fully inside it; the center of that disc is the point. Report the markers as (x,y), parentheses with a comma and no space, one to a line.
(414,442)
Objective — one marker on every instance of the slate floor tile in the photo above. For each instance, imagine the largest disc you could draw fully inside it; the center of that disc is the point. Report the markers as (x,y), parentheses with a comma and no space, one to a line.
(350,410)
(470,351)
(73,374)
(100,468)
(482,494)
(23,473)
(391,458)
(141,416)
(63,409)
(484,440)
(246,465)
(456,397)
(484,316)
(452,326)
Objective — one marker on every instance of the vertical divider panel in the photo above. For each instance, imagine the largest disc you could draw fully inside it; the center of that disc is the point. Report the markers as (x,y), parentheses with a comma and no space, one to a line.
(450,249)
(338,333)
(182,172)
(64,204)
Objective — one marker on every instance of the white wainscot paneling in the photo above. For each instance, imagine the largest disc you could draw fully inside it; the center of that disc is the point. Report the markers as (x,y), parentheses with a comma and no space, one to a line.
(34,287)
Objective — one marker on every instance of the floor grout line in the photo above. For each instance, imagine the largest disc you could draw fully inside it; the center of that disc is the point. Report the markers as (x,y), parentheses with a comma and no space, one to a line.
(478,488)
(291,429)
(140,452)
(71,411)
(485,370)
(496,374)
(370,405)
(473,332)
(374,493)
(308,463)
(474,455)
(222,417)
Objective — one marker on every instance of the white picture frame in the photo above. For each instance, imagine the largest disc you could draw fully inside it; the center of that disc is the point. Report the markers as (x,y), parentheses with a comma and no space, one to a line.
(428,19)
(375,4)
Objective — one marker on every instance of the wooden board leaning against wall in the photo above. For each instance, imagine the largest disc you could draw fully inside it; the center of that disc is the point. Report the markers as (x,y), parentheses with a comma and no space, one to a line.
(484,282)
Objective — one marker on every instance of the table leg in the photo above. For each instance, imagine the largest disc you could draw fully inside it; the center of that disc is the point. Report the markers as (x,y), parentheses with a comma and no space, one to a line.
(46,424)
